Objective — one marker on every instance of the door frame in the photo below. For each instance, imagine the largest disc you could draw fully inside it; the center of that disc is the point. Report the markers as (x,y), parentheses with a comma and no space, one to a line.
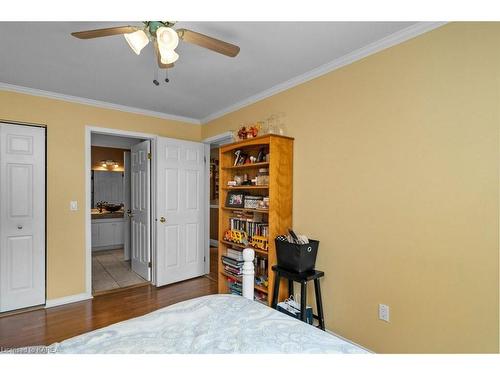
(89,130)
(218,140)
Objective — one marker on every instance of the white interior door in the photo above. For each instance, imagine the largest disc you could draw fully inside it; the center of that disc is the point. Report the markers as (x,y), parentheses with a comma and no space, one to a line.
(22,216)
(181,219)
(140,209)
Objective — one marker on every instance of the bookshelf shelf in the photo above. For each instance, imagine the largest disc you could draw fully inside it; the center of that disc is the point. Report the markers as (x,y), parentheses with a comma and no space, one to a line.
(245,210)
(238,246)
(247,166)
(277,219)
(246,187)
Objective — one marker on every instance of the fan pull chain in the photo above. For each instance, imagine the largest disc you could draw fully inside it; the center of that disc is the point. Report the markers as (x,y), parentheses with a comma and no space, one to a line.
(166,76)
(155,80)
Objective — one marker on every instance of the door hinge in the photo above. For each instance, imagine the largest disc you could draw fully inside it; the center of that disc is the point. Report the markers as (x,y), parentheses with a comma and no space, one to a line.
(205,159)
(204,259)
(150,264)
(149,155)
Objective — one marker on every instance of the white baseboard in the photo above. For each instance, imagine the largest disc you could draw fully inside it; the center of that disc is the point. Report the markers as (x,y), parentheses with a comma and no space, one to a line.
(68,299)
(349,341)
(214,243)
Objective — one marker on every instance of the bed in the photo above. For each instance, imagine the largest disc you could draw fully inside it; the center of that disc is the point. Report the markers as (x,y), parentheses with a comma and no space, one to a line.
(216,324)
(209,324)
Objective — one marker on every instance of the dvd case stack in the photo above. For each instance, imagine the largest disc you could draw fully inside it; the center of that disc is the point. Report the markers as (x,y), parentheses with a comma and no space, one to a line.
(251,227)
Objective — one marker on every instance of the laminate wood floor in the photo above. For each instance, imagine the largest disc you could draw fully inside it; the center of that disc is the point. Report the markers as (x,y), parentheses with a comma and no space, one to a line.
(46,326)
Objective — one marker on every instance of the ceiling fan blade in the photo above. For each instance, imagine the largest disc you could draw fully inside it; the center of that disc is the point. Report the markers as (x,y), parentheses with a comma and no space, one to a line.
(205,41)
(158,58)
(98,33)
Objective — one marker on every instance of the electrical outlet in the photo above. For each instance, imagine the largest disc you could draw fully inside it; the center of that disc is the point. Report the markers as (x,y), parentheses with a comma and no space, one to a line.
(383,312)
(73,206)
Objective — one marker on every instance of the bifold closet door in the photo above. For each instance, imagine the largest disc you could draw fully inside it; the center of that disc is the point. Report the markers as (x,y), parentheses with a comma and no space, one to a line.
(22,216)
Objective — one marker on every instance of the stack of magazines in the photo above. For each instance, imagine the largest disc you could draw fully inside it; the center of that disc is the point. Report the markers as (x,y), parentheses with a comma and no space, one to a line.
(233,266)
(234,286)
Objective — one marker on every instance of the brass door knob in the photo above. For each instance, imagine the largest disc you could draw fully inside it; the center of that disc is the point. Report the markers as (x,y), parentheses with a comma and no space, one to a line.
(162,219)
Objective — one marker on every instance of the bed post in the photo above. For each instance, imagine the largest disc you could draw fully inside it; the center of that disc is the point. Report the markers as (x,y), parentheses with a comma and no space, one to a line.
(248,273)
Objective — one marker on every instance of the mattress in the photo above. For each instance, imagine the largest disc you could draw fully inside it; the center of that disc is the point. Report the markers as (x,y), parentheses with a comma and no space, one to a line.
(210,324)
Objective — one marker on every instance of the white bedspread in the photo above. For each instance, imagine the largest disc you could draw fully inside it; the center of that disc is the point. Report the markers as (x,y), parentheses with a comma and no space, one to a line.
(210,324)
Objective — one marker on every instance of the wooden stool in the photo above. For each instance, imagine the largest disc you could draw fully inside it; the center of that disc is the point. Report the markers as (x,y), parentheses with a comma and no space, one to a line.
(301,278)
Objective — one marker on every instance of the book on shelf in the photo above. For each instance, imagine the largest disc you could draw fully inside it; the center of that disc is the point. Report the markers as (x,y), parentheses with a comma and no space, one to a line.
(231,261)
(232,271)
(234,254)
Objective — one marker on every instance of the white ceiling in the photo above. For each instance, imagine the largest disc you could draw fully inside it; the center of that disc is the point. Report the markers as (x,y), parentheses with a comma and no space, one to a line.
(43,55)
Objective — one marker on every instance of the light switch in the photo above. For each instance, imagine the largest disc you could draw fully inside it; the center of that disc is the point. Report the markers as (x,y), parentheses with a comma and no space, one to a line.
(73,206)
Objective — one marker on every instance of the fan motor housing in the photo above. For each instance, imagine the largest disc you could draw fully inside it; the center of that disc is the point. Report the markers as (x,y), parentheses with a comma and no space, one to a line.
(155,25)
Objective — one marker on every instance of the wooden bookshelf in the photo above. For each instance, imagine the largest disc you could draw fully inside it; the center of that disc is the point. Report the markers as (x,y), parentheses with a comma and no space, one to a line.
(279,190)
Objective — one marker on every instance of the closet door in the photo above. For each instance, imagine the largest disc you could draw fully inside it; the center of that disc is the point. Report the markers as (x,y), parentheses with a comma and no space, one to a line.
(22,216)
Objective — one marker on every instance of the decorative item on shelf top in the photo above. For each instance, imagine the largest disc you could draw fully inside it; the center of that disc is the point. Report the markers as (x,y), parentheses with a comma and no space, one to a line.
(236,236)
(249,131)
(235,199)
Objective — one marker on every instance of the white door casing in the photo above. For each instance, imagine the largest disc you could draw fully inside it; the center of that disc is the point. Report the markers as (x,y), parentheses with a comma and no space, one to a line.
(180,238)
(22,216)
(140,206)
(126,204)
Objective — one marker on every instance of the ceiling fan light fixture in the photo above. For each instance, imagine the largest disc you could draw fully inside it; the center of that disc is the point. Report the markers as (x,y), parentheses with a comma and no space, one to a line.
(137,40)
(168,56)
(167,38)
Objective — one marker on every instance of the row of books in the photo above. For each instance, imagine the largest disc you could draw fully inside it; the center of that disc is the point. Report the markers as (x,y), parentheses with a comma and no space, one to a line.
(250,227)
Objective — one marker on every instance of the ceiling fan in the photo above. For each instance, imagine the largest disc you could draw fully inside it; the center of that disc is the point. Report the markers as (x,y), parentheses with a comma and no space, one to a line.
(164,38)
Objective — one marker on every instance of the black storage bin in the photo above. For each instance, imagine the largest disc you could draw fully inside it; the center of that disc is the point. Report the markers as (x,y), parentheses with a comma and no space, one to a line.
(295,257)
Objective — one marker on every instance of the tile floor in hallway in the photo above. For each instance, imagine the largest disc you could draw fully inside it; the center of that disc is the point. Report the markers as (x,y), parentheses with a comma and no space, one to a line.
(111,271)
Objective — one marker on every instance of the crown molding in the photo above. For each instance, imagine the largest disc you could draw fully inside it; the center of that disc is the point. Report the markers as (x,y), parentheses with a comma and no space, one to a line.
(95,103)
(370,49)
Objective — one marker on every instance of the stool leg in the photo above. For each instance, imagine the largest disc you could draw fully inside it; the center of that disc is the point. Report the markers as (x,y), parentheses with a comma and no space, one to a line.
(276,291)
(290,288)
(303,300)
(319,304)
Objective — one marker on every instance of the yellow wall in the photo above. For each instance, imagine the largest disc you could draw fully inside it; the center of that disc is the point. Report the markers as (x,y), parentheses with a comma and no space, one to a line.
(66,173)
(396,172)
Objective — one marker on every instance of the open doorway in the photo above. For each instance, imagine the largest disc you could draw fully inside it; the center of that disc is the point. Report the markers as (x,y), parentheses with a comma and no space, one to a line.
(213,199)
(120,212)
(214,210)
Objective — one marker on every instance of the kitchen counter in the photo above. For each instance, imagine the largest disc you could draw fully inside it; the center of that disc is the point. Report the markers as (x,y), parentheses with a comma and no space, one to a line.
(95,214)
